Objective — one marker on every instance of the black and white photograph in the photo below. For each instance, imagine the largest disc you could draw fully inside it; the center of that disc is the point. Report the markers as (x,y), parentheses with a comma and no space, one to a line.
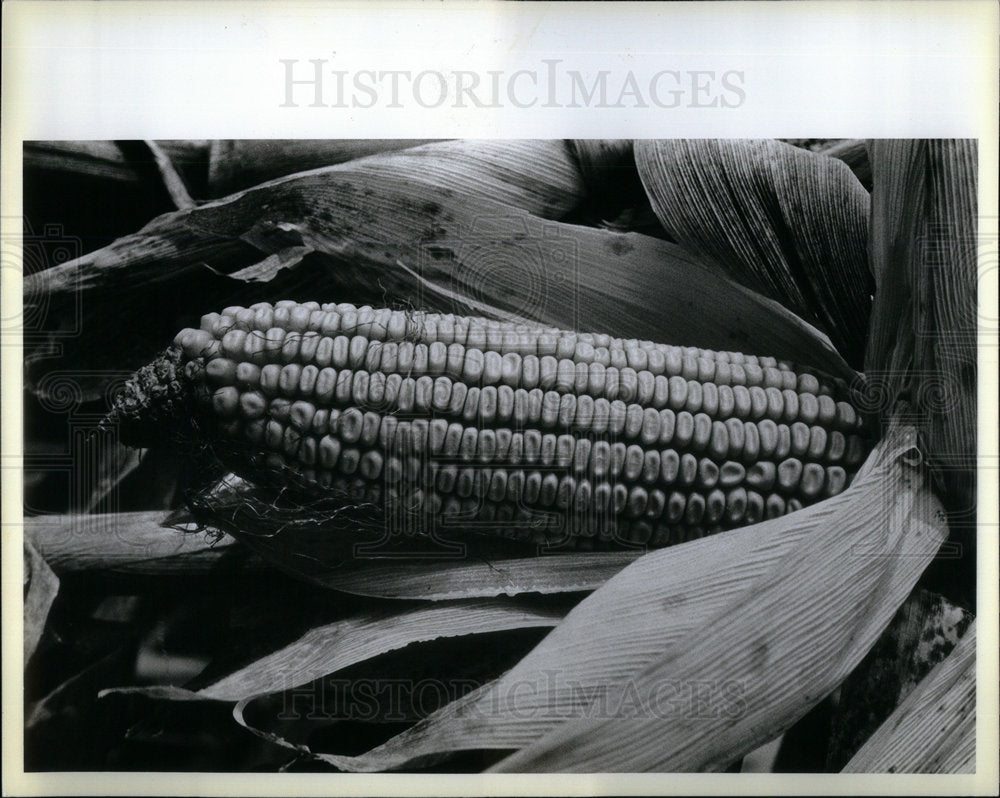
(478,455)
(600,455)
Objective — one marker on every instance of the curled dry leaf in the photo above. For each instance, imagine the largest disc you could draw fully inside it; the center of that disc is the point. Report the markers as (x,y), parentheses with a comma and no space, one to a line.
(934,729)
(922,346)
(787,222)
(324,650)
(131,542)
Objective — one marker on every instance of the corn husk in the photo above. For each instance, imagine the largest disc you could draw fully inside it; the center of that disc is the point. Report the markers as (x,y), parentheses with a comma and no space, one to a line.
(853,152)
(236,164)
(329,648)
(136,542)
(780,219)
(472,578)
(845,584)
(924,632)
(924,324)
(934,729)
(710,611)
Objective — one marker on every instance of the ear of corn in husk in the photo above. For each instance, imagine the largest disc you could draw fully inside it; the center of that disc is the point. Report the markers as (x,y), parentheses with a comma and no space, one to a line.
(852,588)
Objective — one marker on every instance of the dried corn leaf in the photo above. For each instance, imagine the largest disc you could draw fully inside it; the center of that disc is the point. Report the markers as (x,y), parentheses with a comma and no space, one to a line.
(114,463)
(651,607)
(172,180)
(782,220)
(691,602)
(455,579)
(40,588)
(386,229)
(791,639)
(538,176)
(922,347)
(104,160)
(123,542)
(616,199)
(360,197)
(236,164)
(934,729)
(921,635)
(327,649)
(62,179)
(316,544)
(853,152)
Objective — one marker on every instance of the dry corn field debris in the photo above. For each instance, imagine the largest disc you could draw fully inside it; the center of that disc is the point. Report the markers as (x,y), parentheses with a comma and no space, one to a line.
(558,428)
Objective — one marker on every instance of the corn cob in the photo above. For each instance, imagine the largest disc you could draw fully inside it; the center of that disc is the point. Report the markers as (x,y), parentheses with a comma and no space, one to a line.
(535,433)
